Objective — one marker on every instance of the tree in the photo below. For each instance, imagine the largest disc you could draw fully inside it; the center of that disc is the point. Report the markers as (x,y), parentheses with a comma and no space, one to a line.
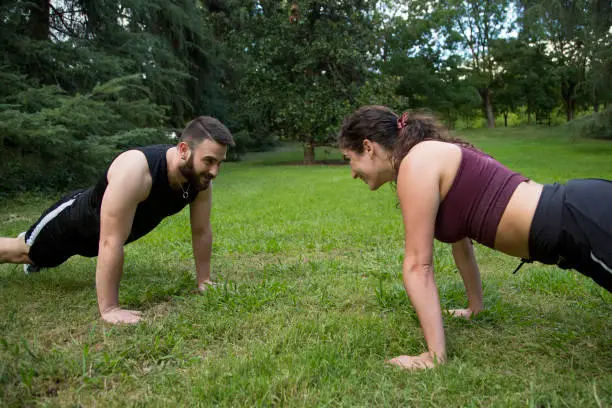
(471,27)
(78,77)
(598,87)
(576,36)
(247,29)
(306,70)
(527,78)
(426,76)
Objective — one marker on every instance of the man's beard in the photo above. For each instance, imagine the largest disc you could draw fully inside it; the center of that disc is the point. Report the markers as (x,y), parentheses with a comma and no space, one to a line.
(193,179)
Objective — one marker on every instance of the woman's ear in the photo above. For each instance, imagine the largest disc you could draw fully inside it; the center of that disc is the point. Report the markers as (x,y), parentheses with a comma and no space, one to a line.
(368,147)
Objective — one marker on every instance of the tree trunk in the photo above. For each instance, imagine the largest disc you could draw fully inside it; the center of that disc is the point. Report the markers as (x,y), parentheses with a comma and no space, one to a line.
(488,106)
(569,109)
(529,117)
(38,24)
(595,107)
(309,150)
(505,119)
(567,91)
(37,28)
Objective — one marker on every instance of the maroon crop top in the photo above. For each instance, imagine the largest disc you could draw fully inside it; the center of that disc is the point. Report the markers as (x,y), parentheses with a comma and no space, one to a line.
(476,200)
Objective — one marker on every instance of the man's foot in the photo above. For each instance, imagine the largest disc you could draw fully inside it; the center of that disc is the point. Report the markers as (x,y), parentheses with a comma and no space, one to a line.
(28,268)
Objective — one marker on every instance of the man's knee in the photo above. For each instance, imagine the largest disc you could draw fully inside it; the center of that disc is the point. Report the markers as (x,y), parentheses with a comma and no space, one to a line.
(14,250)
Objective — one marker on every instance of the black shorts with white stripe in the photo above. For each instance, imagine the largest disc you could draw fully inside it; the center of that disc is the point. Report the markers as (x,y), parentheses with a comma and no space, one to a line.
(59,233)
(572,227)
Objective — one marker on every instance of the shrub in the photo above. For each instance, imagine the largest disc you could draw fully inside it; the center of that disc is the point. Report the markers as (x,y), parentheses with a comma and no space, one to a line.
(53,141)
(595,126)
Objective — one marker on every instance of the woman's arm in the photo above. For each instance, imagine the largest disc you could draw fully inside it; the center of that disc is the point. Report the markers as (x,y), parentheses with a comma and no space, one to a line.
(418,188)
(463,252)
(423,293)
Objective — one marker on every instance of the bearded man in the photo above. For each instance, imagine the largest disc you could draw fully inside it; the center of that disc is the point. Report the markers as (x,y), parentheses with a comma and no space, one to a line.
(140,188)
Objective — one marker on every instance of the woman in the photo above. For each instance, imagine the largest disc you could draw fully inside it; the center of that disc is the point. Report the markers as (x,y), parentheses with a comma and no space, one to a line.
(450,191)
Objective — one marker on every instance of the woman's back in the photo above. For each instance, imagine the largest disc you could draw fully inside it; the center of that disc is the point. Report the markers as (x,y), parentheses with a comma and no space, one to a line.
(479,197)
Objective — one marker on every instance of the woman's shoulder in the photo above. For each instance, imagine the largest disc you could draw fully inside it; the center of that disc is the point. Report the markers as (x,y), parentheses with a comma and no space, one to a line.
(433,152)
(432,156)
(437,146)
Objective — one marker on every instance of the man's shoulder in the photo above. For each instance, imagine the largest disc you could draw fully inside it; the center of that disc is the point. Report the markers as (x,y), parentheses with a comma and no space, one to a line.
(130,158)
(146,151)
(133,162)
(152,148)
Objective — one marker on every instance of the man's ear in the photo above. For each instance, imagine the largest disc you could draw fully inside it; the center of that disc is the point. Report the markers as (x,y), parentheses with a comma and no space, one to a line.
(183,150)
(368,147)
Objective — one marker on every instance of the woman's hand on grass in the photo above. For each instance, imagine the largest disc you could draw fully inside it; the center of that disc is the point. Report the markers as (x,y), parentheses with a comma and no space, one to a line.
(419,362)
(205,285)
(466,314)
(119,315)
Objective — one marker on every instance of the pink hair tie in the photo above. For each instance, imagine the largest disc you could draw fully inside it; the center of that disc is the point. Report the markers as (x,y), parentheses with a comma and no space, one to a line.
(402,120)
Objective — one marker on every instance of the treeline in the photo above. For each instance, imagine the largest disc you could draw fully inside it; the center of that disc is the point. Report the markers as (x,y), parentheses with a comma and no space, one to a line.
(83,79)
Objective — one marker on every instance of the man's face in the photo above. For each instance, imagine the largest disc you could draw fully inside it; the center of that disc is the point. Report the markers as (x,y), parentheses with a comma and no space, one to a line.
(202,163)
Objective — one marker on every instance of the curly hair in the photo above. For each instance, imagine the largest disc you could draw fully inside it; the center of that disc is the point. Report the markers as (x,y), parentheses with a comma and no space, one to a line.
(397,134)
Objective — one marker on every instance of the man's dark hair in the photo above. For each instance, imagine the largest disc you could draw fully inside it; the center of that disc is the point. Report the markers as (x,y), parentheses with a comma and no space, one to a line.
(206,127)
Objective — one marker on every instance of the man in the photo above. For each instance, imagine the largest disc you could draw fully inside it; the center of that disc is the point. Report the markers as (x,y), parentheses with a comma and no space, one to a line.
(140,188)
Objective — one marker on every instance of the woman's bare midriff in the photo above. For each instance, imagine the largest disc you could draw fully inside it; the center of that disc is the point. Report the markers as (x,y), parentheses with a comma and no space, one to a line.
(512,235)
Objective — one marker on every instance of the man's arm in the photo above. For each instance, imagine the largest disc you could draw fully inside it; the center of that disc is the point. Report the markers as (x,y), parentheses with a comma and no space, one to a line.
(201,236)
(129,183)
(463,252)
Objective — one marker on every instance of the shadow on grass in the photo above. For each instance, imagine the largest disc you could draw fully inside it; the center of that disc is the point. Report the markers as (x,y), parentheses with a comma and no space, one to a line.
(593,149)
(325,162)
(60,283)
(297,162)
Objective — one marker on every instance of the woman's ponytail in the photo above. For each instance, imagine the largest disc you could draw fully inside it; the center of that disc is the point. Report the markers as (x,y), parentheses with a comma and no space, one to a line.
(413,128)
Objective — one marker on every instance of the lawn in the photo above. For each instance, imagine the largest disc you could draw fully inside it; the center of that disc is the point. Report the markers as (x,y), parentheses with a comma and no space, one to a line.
(309,305)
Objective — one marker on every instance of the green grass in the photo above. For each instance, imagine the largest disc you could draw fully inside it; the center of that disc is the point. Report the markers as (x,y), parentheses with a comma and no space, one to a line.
(310,304)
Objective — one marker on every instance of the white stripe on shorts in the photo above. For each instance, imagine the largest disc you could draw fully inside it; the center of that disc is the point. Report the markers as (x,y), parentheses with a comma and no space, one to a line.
(46,219)
(599,261)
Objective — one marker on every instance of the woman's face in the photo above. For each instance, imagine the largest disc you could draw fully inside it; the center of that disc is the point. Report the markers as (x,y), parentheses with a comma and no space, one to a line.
(372,165)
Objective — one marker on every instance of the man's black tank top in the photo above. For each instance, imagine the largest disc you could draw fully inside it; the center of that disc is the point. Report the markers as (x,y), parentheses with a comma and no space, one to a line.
(162,202)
